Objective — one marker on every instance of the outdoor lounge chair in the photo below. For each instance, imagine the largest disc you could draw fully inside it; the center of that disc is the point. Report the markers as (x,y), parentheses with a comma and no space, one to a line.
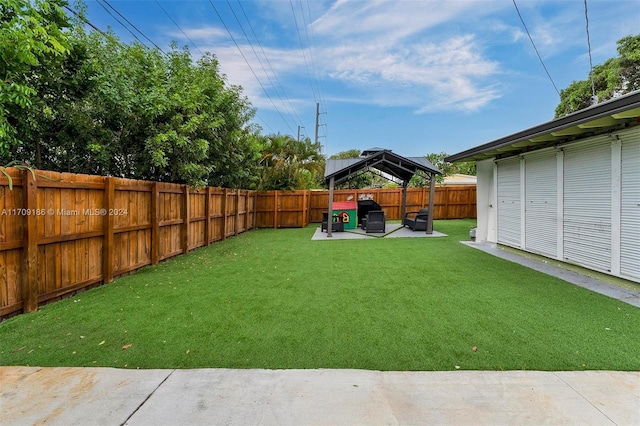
(375,221)
(335,227)
(417,221)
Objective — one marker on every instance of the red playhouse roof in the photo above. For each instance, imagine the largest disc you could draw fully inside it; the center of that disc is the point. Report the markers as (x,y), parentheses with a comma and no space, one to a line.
(345,205)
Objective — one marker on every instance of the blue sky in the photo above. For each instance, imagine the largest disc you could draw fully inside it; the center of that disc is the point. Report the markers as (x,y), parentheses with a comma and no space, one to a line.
(416,77)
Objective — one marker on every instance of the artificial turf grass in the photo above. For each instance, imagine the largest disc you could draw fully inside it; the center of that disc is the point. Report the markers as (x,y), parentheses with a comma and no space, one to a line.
(276,299)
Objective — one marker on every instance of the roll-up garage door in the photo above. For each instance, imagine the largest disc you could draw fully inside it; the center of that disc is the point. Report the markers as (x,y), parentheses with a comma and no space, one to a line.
(509,202)
(630,206)
(587,203)
(541,203)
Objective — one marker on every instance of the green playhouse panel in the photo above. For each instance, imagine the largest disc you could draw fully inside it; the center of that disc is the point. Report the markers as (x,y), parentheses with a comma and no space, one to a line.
(347,212)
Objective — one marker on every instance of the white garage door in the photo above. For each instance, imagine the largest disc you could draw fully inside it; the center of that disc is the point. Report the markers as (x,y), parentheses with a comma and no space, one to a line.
(509,202)
(587,203)
(630,206)
(541,203)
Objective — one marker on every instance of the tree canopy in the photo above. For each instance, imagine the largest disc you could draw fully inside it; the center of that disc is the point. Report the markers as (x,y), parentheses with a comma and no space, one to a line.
(31,39)
(615,77)
(88,103)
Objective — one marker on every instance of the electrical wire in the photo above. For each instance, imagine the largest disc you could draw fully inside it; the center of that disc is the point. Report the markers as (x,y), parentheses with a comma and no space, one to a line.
(313,63)
(134,27)
(119,22)
(260,62)
(535,48)
(312,43)
(275,75)
(304,57)
(593,87)
(249,65)
(86,21)
(176,24)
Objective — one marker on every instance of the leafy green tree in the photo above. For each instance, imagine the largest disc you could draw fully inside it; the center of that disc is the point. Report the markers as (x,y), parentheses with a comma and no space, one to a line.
(31,37)
(615,77)
(124,110)
(447,169)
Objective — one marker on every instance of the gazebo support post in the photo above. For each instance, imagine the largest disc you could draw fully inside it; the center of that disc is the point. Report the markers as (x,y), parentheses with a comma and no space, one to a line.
(403,210)
(432,195)
(330,208)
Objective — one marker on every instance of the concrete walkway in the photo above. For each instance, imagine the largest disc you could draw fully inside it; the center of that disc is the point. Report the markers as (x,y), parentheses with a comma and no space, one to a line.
(581,280)
(105,396)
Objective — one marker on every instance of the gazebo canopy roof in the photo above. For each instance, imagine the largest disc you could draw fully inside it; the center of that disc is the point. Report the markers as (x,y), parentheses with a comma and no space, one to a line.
(381,159)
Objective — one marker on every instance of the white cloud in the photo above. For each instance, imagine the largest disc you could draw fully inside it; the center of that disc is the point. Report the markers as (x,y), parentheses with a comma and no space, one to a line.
(379,52)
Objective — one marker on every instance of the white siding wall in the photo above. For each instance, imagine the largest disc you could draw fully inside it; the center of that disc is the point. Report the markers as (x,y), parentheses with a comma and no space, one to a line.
(541,202)
(597,203)
(485,200)
(509,202)
(587,203)
(630,206)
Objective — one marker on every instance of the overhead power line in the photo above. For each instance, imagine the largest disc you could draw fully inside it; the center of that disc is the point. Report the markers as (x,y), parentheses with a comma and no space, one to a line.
(86,21)
(134,27)
(119,22)
(314,53)
(249,65)
(275,75)
(176,24)
(304,57)
(593,87)
(535,48)
(291,112)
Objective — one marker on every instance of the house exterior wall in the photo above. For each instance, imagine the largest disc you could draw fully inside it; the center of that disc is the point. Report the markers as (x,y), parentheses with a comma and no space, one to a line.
(485,196)
(578,203)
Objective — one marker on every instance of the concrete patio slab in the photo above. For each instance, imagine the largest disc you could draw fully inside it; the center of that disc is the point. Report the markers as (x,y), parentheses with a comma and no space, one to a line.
(393,230)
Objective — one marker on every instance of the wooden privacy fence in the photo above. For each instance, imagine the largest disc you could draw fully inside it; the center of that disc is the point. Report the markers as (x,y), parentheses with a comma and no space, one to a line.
(63,232)
(291,209)
(450,202)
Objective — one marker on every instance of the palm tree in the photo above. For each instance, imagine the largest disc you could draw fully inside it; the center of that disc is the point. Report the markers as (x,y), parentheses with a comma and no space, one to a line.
(290,164)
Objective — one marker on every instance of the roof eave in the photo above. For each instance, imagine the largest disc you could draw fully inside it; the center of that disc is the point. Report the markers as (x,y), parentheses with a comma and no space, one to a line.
(526,138)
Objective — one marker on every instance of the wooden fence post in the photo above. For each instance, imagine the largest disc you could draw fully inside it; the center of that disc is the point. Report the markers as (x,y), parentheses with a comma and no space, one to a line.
(155,223)
(275,210)
(107,225)
(255,209)
(236,221)
(246,211)
(30,244)
(224,214)
(446,202)
(305,208)
(207,217)
(185,223)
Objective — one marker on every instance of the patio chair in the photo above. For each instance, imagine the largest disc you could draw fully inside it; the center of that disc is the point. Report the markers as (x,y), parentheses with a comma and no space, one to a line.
(336,226)
(416,221)
(375,221)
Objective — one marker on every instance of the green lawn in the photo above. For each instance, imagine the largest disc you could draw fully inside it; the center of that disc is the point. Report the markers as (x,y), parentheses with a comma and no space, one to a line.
(275,299)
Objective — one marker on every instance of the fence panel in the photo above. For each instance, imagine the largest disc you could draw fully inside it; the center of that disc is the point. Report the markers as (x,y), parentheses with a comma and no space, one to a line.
(11,242)
(62,233)
(451,202)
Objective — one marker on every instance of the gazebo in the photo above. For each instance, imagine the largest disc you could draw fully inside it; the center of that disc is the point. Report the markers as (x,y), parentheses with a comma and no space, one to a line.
(387,162)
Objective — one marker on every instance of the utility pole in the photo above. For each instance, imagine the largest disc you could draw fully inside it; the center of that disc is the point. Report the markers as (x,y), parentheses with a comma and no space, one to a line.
(317,119)
(298,133)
